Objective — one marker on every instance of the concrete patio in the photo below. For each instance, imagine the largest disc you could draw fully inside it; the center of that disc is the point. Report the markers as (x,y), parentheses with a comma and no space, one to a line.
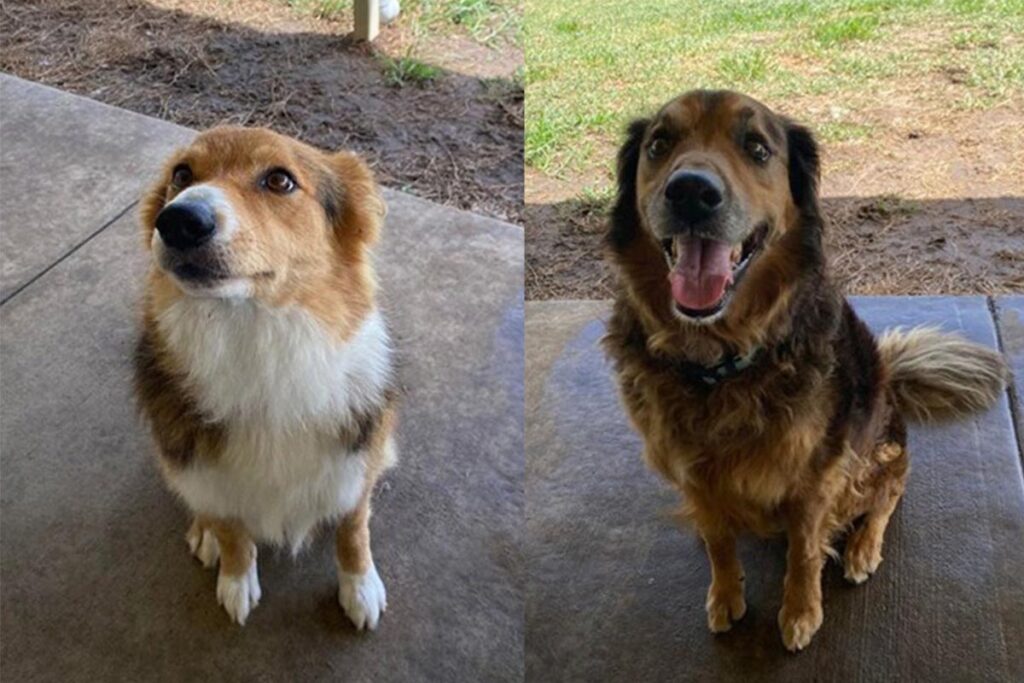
(615,590)
(97,581)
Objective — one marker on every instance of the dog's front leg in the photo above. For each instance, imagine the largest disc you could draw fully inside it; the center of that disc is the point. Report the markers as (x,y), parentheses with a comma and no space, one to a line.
(725,595)
(801,613)
(238,586)
(360,589)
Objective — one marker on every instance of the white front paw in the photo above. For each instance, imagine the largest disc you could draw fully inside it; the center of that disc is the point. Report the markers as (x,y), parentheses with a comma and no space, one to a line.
(362,597)
(239,595)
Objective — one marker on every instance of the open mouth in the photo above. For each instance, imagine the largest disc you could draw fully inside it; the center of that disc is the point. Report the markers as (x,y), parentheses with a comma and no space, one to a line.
(704,272)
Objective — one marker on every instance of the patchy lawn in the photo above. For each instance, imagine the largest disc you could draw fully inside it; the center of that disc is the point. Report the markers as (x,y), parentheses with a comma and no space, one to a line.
(918,105)
(436,103)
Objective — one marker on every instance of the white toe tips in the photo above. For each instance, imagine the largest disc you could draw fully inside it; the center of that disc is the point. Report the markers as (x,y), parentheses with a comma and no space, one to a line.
(362,596)
(239,595)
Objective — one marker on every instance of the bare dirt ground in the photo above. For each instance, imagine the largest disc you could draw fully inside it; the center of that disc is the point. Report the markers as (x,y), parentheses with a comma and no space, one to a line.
(931,203)
(456,139)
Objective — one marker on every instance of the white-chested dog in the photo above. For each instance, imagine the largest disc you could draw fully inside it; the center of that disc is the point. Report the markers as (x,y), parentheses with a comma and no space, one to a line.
(264,366)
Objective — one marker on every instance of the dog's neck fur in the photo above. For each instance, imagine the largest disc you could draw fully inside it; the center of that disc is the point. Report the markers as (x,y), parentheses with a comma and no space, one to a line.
(248,363)
(703,346)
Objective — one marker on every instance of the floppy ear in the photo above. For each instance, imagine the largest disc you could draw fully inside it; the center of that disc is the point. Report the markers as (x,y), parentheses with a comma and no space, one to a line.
(804,168)
(351,199)
(625,220)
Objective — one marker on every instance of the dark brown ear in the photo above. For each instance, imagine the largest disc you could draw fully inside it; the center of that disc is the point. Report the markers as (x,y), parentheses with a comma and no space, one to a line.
(804,168)
(804,173)
(351,199)
(625,221)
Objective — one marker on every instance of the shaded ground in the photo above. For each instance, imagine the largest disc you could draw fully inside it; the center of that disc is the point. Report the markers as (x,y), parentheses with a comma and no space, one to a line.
(454,138)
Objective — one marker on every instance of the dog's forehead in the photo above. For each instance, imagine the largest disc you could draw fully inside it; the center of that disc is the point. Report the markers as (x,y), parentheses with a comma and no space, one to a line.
(714,111)
(229,149)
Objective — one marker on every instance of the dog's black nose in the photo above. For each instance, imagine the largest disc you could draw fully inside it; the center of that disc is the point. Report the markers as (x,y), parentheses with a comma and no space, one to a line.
(186,225)
(695,194)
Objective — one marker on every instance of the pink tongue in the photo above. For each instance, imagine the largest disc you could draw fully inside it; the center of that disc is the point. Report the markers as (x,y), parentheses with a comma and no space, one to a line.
(702,272)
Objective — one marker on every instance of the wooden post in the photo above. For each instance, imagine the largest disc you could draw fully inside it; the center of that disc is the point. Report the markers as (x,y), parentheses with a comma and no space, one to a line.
(367,19)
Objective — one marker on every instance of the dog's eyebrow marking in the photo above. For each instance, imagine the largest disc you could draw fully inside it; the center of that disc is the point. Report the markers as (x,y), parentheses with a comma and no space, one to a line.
(773,130)
(742,125)
(669,123)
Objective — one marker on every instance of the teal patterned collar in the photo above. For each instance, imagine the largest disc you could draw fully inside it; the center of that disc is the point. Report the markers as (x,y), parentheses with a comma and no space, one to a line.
(728,368)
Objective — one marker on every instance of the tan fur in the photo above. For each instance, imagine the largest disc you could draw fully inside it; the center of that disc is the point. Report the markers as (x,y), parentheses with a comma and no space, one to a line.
(237,551)
(938,376)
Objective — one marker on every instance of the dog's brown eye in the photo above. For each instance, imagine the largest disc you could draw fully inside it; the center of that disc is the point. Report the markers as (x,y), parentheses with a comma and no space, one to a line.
(182,176)
(279,181)
(657,148)
(758,151)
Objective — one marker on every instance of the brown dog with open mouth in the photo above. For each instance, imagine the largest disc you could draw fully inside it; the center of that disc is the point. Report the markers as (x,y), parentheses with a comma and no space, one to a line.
(758,391)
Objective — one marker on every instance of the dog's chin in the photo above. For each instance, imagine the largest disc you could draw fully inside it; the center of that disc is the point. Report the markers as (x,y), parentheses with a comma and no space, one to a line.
(701,317)
(200,281)
(201,274)
(219,288)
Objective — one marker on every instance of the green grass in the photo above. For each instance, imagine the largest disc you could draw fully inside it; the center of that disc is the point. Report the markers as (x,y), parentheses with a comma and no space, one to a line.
(486,21)
(490,22)
(592,65)
(322,9)
(846,29)
(842,131)
(751,66)
(408,70)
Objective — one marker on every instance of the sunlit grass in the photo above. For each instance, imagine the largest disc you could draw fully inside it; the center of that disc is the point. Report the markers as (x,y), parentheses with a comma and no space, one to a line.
(593,65)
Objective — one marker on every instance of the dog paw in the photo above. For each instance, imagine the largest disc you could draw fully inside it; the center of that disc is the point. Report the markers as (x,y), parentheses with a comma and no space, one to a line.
(203,545)
(239,595)
(799,626)
(862,556)
(724,607)
(362,596)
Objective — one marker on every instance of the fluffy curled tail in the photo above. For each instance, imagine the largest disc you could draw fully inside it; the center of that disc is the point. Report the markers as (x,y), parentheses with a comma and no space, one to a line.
(938,376)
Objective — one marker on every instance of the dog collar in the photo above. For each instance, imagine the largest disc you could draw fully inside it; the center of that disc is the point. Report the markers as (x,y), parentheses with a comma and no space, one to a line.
(730,367)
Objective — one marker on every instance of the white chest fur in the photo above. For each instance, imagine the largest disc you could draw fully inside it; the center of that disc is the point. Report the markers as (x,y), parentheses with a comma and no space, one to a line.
(282,387)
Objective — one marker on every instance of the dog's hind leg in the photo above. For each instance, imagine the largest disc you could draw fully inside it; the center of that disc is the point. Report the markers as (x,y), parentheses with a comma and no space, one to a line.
(863,551)
(238,586)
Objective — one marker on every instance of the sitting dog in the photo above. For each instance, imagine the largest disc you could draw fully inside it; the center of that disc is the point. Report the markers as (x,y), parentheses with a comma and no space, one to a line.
(758,391)
(264,366)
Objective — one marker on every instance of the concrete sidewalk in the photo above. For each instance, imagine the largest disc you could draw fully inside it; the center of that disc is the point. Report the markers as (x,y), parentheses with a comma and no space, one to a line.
(616,590)
(97,581)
